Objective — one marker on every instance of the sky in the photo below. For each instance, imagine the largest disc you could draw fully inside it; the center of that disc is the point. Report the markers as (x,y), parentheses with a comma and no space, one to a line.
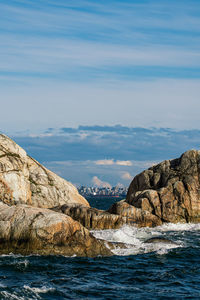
(99,90)
(89,62)
(105,155)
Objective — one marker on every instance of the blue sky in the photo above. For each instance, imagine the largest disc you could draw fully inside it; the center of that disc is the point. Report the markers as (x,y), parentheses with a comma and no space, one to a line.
(112,154)
(66,63)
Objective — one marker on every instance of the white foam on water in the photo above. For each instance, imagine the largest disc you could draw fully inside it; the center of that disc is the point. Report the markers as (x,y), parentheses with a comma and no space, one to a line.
(42,290)
(179,227)
(11,255)
(134,238)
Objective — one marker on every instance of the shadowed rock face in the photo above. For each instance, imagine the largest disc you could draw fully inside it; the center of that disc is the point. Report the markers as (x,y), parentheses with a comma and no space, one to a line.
(133,215)
(169,191)
(30,230)
(93,218)
(24,180)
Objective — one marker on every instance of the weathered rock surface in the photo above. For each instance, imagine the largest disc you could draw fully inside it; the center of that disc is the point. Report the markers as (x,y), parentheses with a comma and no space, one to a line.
(133,215)
(167,192)
(93,218)
(30,230)
(24,180)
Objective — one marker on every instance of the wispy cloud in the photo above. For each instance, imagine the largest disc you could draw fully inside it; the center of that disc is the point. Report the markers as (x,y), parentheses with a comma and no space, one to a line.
(71,59)
(58,57)
(60,40)
(127,163)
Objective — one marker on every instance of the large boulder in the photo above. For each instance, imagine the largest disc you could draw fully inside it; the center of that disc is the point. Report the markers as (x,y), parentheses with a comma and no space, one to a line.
(24,180)
(30,230)
(170,191)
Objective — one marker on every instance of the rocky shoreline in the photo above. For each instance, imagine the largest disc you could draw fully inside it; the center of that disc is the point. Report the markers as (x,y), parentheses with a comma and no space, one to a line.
(41,213)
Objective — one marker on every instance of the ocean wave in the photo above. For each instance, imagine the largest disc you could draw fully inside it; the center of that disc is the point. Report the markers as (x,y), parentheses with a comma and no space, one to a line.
(169,236)
(12,296)
(39,290)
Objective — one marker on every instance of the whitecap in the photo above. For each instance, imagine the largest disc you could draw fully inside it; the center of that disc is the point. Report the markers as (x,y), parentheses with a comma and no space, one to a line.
(134,238)
(37,290)
(179,227)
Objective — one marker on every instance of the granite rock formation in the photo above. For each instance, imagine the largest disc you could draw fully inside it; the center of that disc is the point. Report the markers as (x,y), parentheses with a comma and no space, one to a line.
(134,215)
(27,189)
(24,180)
(41,213)
(93,218)
(31,230)
(167,192)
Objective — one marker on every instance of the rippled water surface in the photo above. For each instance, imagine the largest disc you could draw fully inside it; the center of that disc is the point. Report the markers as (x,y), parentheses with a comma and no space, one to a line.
(137,271)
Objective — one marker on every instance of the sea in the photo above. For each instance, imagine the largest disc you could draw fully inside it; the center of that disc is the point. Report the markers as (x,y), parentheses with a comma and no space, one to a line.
(139,270)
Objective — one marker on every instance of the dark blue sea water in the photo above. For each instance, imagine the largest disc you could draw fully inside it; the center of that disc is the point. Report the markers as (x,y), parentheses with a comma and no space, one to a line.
(137,271)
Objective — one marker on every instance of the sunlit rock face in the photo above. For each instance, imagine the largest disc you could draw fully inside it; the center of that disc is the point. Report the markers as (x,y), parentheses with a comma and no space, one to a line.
(27,226)
(24,180)
(169,191)
(32,230)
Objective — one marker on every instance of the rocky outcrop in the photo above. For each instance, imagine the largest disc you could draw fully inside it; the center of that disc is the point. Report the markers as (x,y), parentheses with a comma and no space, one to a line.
(93,218)
(167,192)
(133,215)
(30,230)
(27,189)
(24,180)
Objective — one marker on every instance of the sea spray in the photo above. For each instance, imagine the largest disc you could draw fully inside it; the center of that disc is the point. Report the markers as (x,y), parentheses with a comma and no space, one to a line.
(134,238)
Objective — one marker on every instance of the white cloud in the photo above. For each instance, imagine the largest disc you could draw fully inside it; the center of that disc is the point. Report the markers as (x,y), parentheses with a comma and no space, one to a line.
(109,162)
(126,176)
(99,183)
(127,163)
(105,162)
